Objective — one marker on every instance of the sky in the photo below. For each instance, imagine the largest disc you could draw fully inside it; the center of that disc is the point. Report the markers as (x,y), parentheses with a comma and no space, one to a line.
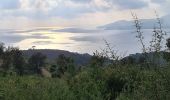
(39,22)
(69,13)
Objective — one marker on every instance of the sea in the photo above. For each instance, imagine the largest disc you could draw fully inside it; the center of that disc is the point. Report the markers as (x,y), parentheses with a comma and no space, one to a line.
(124,42)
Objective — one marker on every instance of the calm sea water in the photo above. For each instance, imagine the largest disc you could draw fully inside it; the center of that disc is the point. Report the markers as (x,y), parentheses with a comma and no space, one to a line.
(123,41)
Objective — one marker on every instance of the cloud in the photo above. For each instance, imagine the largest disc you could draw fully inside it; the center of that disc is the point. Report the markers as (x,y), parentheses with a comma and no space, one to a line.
(69,12)
(38,4)
(67,9)
(45,9)
(12,31)
(158,1)
(75,30)
(48,42)
(9,4)
(14,38)
(82,1)
(163,4)
(128,4)
(43,42)
(85,39)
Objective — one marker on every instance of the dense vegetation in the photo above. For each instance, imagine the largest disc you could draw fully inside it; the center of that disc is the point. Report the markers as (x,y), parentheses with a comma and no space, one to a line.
(123,83)
(106,76)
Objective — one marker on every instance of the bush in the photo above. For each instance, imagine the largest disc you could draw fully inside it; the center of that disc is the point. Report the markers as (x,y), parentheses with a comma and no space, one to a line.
(85,87)
(34,88)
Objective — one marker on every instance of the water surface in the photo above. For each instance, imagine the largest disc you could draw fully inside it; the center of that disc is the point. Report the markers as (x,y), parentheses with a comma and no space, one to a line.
(76,40)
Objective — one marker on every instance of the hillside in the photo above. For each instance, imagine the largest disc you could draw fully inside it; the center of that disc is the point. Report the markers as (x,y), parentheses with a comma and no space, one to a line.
(80,59)
(150,57)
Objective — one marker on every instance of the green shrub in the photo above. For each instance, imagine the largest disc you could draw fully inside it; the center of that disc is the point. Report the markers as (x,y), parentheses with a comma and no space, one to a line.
(35,88)
(86,87)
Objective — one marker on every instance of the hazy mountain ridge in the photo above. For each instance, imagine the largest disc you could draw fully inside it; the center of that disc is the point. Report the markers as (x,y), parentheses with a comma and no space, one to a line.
(141,57)
(80,59)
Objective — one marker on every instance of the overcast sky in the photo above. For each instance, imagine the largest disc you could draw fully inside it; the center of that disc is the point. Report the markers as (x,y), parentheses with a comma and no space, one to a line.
(74,13)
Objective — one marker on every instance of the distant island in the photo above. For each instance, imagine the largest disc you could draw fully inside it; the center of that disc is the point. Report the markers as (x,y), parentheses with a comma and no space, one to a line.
(127,25)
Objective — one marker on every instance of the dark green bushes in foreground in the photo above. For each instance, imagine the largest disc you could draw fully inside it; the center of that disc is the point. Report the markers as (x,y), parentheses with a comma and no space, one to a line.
(34,88)
(122,83)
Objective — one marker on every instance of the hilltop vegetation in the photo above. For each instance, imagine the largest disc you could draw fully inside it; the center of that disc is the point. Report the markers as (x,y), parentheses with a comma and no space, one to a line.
(79,59)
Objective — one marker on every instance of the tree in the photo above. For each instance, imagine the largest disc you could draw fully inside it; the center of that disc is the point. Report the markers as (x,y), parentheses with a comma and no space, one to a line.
(1,49)
(36,62)
(168,43)
(54,71)
(12,60)
(98,59)
(63,64)
(71,67)
(167,54)
(18,61)
(1,54)
(7,61)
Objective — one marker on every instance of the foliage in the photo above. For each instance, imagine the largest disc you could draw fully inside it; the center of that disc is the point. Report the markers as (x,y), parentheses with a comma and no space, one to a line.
(36,62)
(85,87)
(34,88)
(121,83)
(18,61)
(12,61)
(63,65)
(98,59)
(156,44)
(168,43)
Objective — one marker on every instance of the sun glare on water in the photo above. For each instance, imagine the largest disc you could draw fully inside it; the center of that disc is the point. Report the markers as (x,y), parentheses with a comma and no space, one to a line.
(47,38)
